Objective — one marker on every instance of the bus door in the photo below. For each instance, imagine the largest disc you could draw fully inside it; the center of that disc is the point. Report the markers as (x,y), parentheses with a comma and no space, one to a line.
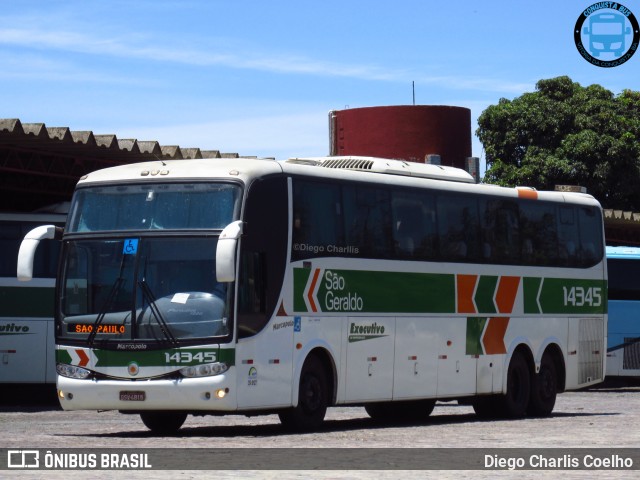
(370,356)
(456,367)
(416,364)
(264,366)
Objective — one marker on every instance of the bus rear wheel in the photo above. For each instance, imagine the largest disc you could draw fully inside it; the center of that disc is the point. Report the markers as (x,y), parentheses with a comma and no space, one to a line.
(313,398)
(544,389)
(163,423)
(515,402)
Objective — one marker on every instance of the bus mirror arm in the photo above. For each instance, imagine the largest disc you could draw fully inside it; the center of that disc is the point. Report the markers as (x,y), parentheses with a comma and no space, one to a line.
(226,252)
(28,248)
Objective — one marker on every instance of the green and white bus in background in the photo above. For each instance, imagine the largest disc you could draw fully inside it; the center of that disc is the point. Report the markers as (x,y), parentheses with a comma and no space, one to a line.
(255,286)
(26,309)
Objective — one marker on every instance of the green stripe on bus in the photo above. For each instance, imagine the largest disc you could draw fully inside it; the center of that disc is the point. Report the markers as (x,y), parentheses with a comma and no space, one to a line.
(375,291)
(564,295)
(475,327)
(317,290)
(531,286)
(300,279)
(26,302)
(175,357)
(485,294)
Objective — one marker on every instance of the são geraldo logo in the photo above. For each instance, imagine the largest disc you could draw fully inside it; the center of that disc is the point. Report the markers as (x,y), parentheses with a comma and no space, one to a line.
(607,34)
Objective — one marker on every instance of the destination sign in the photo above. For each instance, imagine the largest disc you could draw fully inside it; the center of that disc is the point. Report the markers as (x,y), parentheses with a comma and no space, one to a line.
(102,328)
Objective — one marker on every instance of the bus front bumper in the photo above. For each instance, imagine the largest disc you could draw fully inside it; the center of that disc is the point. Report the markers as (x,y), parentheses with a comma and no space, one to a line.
(215,393)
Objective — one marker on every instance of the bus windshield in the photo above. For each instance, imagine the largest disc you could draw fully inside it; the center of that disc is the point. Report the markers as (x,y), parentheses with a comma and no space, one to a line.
(149,289)
(161,206)
(138,263)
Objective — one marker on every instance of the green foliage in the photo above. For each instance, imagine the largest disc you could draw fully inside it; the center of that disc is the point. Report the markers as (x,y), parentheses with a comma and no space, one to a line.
(566,134)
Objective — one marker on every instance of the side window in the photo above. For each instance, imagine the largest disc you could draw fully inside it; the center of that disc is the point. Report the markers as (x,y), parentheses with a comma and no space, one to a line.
(45,262)
(414,225)
(367,215)
(252,302)
(10,237)
(591,247)
(458,227)
(263,254)
(624,282)
(501,231)
(568,238)
(539,233)
(317,219)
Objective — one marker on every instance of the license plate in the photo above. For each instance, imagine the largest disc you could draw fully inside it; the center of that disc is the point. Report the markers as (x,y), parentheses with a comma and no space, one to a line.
(126,396)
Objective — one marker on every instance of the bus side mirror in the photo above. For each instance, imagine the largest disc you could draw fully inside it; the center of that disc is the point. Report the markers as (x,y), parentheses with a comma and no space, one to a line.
(226,252)
(28,249)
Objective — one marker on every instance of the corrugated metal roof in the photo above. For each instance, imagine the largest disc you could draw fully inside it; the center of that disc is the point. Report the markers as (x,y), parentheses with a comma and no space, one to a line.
(61,139)
(40,165)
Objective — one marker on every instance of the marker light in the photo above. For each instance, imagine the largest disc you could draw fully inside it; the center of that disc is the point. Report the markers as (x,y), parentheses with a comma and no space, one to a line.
(206,370)
(72,371)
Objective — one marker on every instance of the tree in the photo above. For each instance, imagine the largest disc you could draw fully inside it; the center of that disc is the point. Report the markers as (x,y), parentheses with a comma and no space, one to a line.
(566,134)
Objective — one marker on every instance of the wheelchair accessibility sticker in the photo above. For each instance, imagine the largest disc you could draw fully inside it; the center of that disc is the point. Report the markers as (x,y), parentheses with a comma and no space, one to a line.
(130,246)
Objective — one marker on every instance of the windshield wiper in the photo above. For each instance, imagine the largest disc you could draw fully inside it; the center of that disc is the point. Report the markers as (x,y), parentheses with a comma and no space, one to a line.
(151,300)
(115,288)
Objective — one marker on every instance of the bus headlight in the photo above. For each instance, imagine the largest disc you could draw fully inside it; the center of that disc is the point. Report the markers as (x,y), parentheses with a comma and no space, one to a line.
(72,371)
(206,370)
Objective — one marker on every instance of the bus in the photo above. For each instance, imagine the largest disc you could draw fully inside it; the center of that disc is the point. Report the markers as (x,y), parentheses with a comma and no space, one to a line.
(27,342)
(250,286)
(623,348)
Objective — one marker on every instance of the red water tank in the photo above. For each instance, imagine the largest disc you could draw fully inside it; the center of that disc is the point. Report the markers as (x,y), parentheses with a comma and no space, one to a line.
(406,132)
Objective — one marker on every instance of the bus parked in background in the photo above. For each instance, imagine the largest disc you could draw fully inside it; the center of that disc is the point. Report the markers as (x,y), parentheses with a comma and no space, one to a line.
(623,348)
(26,309)
(255,286)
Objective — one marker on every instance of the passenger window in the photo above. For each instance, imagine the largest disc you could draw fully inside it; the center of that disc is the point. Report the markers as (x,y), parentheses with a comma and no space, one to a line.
(414,226)
(368,220)
(458,228)
(501,231)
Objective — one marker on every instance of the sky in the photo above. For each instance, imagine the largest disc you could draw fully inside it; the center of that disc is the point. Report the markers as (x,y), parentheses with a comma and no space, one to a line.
(260,77)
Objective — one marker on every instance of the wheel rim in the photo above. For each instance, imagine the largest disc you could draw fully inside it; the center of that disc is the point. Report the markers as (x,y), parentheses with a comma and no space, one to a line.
(547,387)
(311,393)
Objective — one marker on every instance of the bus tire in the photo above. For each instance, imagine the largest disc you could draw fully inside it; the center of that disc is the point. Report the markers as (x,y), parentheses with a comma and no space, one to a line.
(163,423)
(544,388)
(514,403)
(400,412)
(313,398)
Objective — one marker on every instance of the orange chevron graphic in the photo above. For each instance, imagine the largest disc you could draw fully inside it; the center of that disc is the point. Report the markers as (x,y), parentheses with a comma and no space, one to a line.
(466,285)
(281,311)
(83,357)
(493,338)
(506,293)
(312,288)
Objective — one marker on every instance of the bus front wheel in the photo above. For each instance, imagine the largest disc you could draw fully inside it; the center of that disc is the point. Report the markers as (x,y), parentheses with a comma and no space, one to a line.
(163,423)
(313,398)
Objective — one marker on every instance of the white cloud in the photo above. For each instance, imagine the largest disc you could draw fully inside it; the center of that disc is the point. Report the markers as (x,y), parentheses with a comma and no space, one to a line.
(221,53)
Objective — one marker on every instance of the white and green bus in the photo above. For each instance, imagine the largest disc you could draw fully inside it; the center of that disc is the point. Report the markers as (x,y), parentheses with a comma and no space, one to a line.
(26,309)
(251,286)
